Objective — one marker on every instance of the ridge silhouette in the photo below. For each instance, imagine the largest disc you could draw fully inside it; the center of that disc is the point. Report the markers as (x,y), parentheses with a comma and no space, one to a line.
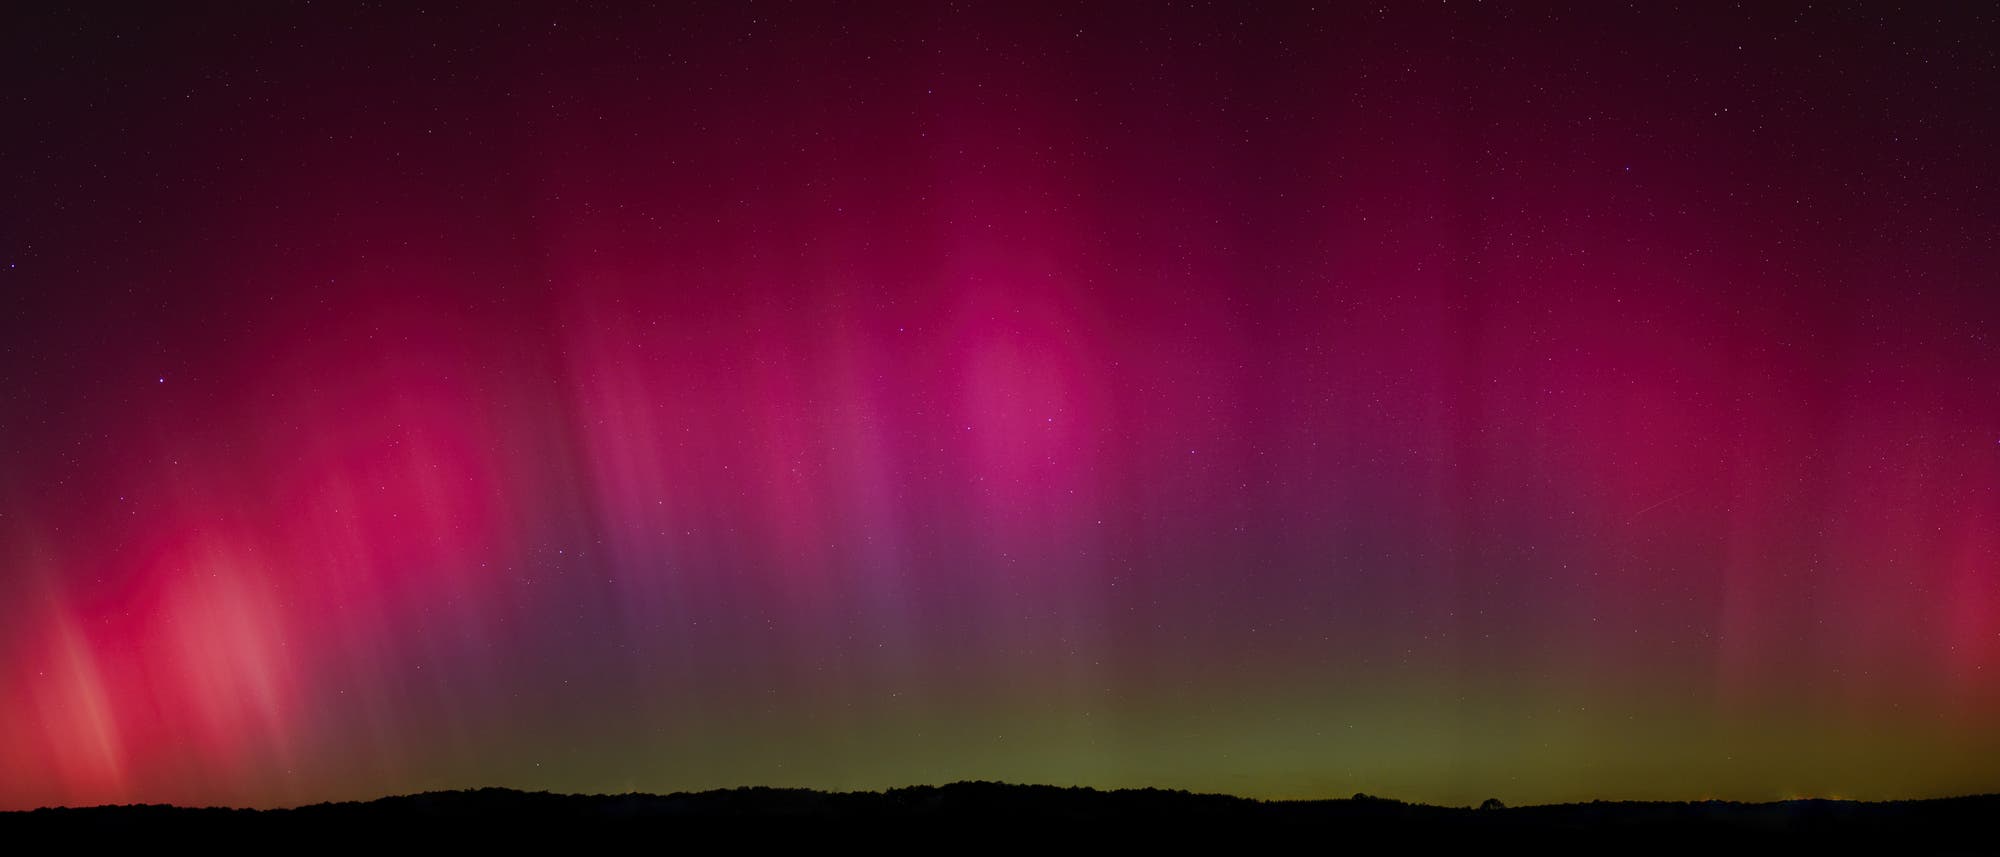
(1943,825)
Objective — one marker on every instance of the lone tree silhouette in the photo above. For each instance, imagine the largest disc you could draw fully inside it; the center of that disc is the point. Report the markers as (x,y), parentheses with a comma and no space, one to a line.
(1493,803)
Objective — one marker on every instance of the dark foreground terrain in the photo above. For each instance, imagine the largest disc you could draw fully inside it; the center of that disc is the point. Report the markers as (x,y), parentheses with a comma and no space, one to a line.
(980,812)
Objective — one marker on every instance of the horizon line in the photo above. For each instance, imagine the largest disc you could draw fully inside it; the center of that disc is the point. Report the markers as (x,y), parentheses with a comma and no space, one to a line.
(1356,797)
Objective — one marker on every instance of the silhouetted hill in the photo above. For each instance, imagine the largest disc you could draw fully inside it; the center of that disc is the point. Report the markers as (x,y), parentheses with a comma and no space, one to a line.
(1952,825)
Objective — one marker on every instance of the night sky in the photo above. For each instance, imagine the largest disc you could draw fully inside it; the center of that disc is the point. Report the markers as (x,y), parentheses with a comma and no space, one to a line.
(1437,401)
